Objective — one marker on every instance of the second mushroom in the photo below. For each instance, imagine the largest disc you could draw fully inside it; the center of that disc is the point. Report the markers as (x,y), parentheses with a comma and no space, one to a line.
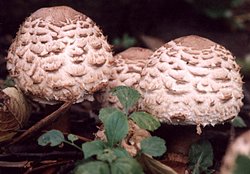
(192,81)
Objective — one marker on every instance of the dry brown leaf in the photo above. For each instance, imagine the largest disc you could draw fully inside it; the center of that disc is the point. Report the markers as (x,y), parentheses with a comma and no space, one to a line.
(14,112)
(154,166)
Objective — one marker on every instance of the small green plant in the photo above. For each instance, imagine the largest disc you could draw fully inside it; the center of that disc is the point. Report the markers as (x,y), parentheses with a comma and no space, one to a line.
(238,122)
(201,157)
(125,42)
(222,9)
(9,82)
(104,157)
(242,165)
(216,8)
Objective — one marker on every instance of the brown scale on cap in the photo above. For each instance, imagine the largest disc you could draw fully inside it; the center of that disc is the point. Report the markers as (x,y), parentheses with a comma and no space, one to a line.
(191,80)
(127,68)
(59,54)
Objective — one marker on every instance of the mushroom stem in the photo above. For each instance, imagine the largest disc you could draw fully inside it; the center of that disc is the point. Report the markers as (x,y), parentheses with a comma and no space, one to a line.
(63,122)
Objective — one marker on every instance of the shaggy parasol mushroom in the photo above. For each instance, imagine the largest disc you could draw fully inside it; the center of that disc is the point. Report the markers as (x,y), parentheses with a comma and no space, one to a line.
(127,67)
(241,146)
(192,81)
(58,55)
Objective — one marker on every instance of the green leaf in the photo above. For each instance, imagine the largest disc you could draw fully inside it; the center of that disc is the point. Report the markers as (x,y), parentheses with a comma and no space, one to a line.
(72,137)
(126,41)
(9,82)
(242,165)
(116,128)
(107,155)
(145,120)
(238,122)
(108,112)
(93,167)
(154,146)
(120,152)
(92,148)
(52,137)
(126,166)
(153,166)
(127,96)
(236,3)
(200,156)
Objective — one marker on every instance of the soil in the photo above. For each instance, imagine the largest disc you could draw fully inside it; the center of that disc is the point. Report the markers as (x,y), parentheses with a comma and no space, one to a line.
(160,19)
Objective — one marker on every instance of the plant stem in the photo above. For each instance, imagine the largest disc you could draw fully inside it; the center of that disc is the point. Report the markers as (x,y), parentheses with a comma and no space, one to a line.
(72,144)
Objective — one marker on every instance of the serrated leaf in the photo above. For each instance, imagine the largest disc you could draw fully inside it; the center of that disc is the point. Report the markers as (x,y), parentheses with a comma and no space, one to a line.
(107,155)
(154,146)
(107,112)
(145,120)
(93,167)
(72,137)
(238,122)
(200,157)
(116,128)
(120,152)
(153,166)
(125,166)
(127,96)
(242,165)
(92,148)
(52,137)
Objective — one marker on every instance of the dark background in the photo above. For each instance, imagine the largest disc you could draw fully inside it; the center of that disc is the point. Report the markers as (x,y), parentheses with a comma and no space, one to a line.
(163,19)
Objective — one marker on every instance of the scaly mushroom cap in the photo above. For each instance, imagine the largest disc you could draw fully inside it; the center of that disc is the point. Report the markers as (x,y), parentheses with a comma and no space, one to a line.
(241,146)
(191,80)
(59,54)
(127,67)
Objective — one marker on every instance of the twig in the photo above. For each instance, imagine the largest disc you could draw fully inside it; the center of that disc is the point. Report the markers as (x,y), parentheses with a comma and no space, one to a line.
(32,170)
(84,139)
(243,17)
(42,156)
(19,164)
(42,123)
(232,134)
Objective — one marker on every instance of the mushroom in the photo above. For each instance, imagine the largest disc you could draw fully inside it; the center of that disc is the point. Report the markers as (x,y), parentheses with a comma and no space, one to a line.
(191,81)
(58,55)
(241,146)
(127,67)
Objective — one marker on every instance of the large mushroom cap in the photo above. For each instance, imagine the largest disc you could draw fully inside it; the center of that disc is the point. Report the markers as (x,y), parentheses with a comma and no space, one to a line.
(192,80)
(127,67)
(59,54)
